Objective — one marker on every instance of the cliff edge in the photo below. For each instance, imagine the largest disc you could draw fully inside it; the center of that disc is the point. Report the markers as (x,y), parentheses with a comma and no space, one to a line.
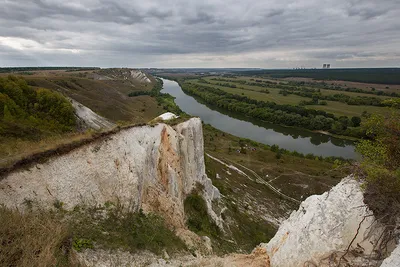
(332,229)
(152,168)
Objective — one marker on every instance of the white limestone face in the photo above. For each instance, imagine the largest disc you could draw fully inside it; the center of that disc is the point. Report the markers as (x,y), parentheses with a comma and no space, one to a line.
(323,227)
(393,260)
(90,118)
(167,116)
(140,76)
(153,168)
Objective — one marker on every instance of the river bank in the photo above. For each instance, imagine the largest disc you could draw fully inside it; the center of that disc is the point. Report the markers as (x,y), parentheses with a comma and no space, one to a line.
(302,141)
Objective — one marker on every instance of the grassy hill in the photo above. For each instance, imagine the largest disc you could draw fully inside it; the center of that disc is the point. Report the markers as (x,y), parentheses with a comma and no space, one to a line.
(35,114)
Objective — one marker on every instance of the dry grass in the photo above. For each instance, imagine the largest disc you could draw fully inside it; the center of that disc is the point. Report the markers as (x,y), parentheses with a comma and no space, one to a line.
(34,239)
(12,150)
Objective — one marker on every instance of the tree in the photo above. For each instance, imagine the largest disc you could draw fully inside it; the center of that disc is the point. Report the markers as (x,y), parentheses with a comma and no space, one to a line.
(356,121)
(380,165)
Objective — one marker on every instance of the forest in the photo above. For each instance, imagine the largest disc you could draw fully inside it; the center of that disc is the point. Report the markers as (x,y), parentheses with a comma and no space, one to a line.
(29,113)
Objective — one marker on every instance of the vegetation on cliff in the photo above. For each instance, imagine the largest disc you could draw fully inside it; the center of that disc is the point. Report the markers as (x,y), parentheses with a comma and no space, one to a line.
(380,165)
(29,113)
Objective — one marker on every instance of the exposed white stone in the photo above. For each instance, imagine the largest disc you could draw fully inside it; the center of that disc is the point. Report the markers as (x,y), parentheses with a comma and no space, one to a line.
(90,118)
(323,225)
(167,116)
(394,259)
(153,168)
(140,76)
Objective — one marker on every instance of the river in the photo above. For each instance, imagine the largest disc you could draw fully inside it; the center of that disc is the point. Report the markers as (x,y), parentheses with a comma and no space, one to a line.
(293,139)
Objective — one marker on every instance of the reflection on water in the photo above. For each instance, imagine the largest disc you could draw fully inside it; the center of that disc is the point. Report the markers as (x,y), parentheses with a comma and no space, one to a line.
(285,137)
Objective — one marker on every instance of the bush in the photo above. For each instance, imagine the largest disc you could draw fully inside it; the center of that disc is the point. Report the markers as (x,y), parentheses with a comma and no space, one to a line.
(380,165)
(198,219)
(131,231)
(29,113)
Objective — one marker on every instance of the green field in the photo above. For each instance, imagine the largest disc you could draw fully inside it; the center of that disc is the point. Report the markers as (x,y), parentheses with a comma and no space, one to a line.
(251,91)
(342,109)
(273,96)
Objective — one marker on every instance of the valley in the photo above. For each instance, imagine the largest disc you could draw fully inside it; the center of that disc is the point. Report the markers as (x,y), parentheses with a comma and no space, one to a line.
(255,173)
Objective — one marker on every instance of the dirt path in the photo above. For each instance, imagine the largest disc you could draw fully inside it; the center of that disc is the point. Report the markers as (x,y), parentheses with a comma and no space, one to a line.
(257,179)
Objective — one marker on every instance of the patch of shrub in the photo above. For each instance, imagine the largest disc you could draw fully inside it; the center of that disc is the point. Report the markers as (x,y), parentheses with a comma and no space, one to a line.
(131,231)
(380,167)
(198,219)
(29,113)
(81,243)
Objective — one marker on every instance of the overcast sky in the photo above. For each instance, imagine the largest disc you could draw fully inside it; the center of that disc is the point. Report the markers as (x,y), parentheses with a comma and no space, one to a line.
(203,33)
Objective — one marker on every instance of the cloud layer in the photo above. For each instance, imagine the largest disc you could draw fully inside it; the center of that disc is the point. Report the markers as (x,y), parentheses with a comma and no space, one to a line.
(192,33)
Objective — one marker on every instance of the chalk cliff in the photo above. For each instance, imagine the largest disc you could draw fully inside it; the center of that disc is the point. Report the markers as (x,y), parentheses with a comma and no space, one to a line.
(149,167)
(332,229)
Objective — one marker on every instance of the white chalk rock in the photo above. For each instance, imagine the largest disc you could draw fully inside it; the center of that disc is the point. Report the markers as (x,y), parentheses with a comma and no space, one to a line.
(90,118)
(153,168)
(167,116)
(323,228)
(393,260)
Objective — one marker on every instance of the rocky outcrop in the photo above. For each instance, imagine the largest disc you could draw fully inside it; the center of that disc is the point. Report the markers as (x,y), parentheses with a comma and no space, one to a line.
(89,118)
(140,76)
(393,260)
(333,228)
(149,167)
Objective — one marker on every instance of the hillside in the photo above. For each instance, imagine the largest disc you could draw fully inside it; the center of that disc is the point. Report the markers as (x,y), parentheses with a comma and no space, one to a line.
(169,193)
(36,113)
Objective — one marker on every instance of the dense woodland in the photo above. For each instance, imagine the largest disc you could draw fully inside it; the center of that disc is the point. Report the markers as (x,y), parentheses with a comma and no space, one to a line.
(32,113)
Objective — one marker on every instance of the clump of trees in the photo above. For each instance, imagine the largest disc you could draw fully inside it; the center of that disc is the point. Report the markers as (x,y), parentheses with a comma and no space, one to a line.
(380,165)
(155,91)
(29,113)
(269,111)
(164,100)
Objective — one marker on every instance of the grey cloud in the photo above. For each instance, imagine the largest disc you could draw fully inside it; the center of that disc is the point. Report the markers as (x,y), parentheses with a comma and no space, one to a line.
(259,33)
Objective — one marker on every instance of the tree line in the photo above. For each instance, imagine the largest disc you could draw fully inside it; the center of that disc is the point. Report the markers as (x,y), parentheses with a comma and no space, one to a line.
(279,114)
(315,95)
(164,100)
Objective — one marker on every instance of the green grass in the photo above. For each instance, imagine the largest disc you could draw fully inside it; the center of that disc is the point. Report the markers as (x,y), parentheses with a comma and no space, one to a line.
(291,170)
(273,96)
(198,219)
(342,109)
(114,228)
(249,203)
(337,108)
(353,94)
(108,98)
(103,96)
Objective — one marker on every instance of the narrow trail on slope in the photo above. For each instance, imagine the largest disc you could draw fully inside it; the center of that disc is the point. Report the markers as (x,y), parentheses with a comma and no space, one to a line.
(257,179)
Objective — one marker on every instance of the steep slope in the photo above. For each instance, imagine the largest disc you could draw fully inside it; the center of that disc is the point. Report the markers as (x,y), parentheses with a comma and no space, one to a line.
(89,118)
(332,229)
(149,168)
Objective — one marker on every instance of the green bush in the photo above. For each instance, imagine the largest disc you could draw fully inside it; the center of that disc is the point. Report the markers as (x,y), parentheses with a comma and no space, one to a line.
(380,164)
(81,243)
(29,113)
(131,231)
(198,219)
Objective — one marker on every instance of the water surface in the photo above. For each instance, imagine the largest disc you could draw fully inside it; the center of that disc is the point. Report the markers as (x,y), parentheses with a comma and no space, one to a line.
(293,139)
